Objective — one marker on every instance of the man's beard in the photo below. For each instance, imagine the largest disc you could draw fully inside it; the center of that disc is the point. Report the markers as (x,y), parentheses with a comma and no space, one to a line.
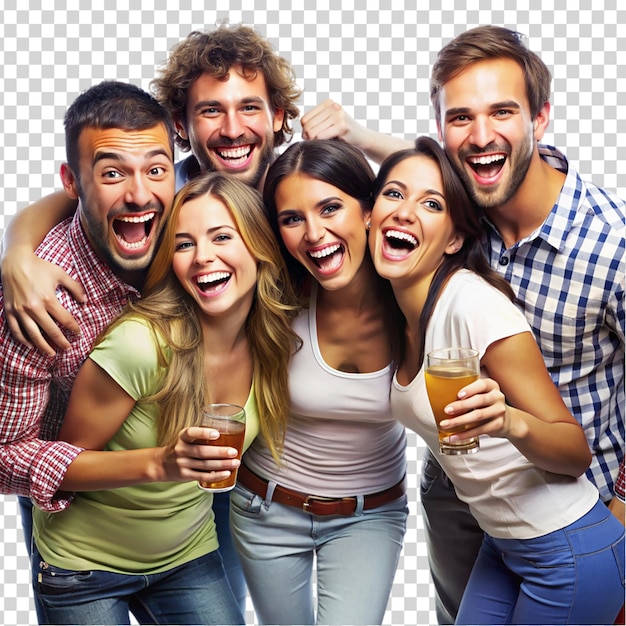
(492,197)
(253,178)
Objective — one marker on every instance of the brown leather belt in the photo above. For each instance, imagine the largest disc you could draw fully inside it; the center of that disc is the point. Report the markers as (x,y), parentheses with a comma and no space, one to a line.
(318,505)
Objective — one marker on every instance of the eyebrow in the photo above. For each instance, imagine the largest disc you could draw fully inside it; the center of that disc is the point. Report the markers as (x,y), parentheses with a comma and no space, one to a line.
(116,156)
(209,231)
(399,183)
(218,103)
(506,104)
(321,203)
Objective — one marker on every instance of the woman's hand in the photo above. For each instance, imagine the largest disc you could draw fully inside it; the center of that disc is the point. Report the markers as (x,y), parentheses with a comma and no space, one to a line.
(191,458)
(482,409)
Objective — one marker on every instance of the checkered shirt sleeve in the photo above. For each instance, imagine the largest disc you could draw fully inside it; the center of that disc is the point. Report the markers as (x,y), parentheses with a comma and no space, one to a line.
(35,388)
(568,276)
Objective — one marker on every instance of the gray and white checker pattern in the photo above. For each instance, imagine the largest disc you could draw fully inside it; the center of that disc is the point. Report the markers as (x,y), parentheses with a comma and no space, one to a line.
(374,60)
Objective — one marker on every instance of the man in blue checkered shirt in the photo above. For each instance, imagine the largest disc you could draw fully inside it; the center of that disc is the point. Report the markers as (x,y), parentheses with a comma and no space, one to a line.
(558,240)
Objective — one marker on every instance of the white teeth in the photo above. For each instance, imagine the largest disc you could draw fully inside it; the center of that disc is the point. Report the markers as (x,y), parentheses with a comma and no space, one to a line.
(211,278)
(486,160)
(136,219)
(132,245)
(234,153)
(396,234)
(320,254)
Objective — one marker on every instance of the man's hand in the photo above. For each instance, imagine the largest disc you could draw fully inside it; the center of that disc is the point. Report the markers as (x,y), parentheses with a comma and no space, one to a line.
(31,306)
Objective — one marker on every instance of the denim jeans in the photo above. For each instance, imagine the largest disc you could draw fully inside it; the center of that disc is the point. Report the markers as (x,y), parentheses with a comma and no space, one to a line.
(570,576)
(194,593)
(356,559)
(453,538)
(232,566)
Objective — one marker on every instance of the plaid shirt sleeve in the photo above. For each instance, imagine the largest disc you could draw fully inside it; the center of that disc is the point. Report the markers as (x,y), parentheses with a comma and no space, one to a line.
(619,484)
(29,466)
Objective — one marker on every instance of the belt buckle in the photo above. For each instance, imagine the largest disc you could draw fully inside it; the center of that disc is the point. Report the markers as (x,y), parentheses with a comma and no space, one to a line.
(311,500)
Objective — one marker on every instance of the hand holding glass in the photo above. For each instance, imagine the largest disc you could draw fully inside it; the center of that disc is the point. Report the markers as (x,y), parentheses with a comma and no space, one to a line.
(448,370)
(230,421)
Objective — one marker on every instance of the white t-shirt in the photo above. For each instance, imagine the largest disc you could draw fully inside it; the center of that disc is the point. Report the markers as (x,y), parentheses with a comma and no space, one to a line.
(342,439)
(508,495)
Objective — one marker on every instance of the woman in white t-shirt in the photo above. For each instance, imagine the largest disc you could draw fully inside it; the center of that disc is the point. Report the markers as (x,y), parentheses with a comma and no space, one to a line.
(328,520)
(552,552)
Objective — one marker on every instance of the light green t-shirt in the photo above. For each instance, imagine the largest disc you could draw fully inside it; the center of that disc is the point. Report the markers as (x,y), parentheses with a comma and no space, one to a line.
(147,528)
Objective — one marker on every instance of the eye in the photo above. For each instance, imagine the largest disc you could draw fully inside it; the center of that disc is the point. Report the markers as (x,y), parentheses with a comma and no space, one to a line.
(222,238)
(111,174)
(209,112)
(157,170)
(329,209)
(183,245)
(289,220)
(392,193)
(251,108)
(433,205)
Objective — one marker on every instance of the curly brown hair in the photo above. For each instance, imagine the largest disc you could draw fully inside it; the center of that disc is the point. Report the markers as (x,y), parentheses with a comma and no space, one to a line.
(215,53)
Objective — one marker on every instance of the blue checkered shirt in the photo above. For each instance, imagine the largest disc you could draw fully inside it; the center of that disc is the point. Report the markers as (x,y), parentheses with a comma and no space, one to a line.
(568,276)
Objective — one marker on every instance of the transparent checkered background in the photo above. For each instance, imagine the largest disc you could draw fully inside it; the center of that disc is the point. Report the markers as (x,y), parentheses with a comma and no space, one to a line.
(375,61)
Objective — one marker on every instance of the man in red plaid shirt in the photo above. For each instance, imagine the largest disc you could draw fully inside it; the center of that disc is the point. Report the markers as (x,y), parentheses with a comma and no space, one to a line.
(120,167)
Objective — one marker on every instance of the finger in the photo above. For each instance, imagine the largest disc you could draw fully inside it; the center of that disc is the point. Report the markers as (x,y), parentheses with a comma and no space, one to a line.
(16,330)
(32,335)
(64,318)
(74,287)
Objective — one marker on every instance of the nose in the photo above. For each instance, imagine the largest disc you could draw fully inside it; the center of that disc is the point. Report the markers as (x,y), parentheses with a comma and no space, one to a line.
(232,126)
(405,212)
(314,230)
(205,253)
(138,191)
(482,133)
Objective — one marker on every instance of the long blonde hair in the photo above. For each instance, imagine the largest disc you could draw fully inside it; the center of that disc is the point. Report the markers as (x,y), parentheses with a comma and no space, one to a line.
(173,315)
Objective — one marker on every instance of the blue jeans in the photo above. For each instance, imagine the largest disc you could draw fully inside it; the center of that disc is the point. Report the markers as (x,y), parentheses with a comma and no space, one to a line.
(570,576)
(194,593)
(453,538)
(356,556)
(232,566)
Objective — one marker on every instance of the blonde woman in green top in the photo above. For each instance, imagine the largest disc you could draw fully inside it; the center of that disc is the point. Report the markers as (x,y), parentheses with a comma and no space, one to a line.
(213,326)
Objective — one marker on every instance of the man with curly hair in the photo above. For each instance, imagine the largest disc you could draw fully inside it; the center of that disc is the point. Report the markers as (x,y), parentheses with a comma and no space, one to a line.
(232,99)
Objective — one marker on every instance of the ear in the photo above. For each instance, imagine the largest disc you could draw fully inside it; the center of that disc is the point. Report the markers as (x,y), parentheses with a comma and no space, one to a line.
(541,122)
(455,244)
(367,219)
(180,130)
(279,116)
(70,184)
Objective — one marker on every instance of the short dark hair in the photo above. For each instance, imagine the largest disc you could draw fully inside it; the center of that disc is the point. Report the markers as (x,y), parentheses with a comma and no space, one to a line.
(112,104)
(485,43)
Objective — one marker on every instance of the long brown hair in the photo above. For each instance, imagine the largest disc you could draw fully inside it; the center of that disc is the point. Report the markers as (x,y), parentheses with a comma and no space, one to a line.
(173,315)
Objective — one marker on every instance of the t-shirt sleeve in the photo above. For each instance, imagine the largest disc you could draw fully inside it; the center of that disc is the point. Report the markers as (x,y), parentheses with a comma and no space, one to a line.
(131,356)
(478,315)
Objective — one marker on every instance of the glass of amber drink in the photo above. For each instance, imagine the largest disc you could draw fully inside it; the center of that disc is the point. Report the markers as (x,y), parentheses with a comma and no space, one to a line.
(230,421)
(448,370)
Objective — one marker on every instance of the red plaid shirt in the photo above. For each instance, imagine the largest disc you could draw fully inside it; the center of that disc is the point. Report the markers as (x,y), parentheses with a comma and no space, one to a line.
(35,388)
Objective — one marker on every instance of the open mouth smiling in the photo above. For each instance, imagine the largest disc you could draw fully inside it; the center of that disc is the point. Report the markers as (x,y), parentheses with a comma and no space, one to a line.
(487,166)
(133,231)
(327,258)
(212,282)
(400,240)
(235,156)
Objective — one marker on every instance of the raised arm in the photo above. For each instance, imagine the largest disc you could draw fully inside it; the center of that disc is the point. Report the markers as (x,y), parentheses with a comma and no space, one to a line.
(520,402)
(29,283)
(98,406)
(329,120)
